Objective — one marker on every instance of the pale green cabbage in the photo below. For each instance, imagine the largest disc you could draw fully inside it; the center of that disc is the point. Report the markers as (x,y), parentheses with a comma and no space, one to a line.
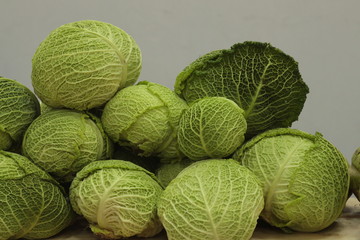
(63,141)
(81,65)
(304,177)
(117,198)
(33,205)
(212,127)
(261,79)
(213,199)
(145,117)
(355,174)
(18,108)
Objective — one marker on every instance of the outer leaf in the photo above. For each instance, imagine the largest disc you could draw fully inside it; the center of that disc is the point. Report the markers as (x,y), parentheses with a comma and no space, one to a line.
(108,148)
(261,79)
(14,166)
(304,177)
(211,199)
(5,140)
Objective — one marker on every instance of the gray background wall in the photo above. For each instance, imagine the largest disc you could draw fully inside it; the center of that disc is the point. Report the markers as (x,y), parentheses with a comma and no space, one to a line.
(322,35)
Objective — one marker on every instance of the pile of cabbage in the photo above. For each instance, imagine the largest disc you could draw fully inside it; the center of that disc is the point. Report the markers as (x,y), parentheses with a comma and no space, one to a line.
(205,160)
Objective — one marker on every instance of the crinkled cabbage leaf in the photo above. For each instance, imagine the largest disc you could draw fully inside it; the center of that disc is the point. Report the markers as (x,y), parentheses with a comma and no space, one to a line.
(261,79)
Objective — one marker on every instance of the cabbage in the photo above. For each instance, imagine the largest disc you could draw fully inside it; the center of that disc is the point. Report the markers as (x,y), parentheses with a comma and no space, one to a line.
(117,198)
(355,174)
(145,118)
(18,108)
(211,199)
(63,141)
(261,79)
(81,65)
(304,177)
(33,205)
(212,127)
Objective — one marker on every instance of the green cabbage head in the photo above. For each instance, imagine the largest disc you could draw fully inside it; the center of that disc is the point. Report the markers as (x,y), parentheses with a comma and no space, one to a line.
(18,108)
(215,199)
(264,81)
(82,64)
(212,127)
(33,205)
(355,174)
(117,198)
(304,177)
(63,141)
(145,117)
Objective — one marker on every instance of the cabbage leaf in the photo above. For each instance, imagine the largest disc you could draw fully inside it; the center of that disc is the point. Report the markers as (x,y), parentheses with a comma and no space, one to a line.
(264,81)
